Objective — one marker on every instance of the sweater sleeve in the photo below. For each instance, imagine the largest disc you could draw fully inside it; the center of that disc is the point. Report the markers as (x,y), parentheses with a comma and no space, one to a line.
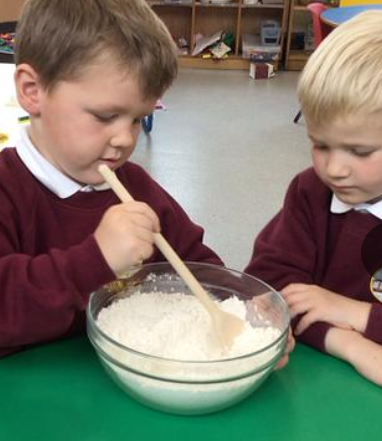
(41,296)
(285,252)
(373,329)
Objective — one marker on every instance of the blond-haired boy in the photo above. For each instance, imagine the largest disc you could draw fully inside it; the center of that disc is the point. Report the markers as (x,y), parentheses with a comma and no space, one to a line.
(312,250)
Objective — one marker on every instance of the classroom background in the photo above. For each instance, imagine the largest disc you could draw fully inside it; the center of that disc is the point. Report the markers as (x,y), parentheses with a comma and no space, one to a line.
(225,145)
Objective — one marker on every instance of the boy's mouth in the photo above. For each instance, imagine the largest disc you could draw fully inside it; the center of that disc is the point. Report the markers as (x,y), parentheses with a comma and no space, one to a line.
(109,161)
(341,188)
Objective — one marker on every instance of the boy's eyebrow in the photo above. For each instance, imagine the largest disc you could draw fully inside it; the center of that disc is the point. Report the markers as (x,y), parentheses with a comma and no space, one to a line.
(346,145)
(106,109)
(360,146)
(314,140)
(115,110)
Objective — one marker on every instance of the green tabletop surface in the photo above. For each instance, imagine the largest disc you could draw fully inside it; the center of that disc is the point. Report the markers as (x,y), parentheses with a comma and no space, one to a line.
(61,392)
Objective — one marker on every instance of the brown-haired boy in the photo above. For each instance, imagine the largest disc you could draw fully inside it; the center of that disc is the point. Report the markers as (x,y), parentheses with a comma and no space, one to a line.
(87,72)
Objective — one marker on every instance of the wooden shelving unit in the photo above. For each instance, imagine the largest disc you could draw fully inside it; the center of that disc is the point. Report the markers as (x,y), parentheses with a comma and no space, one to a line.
(186,19)
(10,9)
(295,59)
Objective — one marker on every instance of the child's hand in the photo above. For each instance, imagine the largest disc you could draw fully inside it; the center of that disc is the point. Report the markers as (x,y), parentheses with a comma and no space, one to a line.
(125,235)
(289,348)
(319,304)
(363,354)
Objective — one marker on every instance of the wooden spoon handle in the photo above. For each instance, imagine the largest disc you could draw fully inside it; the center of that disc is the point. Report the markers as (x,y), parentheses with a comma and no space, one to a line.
(162,244)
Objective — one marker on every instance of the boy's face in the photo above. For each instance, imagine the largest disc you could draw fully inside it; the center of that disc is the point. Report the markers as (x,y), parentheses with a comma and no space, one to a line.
(347,156)
(94,119)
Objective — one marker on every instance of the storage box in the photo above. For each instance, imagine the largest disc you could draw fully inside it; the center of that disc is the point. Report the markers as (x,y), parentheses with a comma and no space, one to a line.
(261,71)
(252,49)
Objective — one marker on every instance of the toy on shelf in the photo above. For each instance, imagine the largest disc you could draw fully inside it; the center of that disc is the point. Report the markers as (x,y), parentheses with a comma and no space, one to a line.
(7,41)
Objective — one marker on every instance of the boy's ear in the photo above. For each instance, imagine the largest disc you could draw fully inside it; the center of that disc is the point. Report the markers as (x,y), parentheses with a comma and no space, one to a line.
(28,88)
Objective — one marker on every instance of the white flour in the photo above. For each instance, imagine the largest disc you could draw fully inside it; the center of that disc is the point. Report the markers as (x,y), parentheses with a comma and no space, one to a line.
(176,326)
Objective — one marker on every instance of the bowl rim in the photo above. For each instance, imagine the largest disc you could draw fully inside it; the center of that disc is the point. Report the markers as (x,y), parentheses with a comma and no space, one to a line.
(93,323)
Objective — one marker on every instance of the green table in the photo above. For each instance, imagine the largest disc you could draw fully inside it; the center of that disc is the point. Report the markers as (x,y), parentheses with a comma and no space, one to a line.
(60,392)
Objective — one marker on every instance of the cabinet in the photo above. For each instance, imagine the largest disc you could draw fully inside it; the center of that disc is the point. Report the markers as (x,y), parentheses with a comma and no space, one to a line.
(10,9)
(299,39)
(297,50)
(186,18)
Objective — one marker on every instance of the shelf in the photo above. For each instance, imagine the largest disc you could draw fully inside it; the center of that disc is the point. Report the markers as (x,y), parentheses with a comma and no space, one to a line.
(261,6)
(217,5)
(299,55)
(297,59)
(231,63)
(208,18)
(158,3)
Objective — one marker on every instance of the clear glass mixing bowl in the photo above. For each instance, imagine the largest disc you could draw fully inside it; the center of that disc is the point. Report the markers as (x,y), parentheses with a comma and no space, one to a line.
(191,387)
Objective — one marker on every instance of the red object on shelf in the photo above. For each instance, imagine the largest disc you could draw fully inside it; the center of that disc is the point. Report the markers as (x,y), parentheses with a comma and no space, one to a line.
(320,29)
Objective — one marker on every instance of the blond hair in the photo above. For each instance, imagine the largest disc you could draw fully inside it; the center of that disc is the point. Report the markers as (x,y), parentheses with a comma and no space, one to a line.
(60,38)
(344,74)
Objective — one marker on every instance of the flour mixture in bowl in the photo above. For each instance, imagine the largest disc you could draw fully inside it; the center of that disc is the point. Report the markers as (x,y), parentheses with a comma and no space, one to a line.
(157,341)
(176,326)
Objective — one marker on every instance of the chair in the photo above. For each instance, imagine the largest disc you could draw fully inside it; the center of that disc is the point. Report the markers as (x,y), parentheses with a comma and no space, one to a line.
(320,31)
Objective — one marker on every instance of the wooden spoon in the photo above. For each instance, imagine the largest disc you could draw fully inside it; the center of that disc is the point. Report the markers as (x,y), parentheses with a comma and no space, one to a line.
(227,326)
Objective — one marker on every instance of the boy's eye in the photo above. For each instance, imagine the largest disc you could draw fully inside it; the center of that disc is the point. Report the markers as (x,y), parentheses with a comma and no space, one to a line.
(361,153)
(105,117)
(320,147)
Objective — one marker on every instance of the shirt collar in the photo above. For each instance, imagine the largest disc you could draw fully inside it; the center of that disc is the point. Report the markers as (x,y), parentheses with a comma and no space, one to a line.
(58,183)
(338,206)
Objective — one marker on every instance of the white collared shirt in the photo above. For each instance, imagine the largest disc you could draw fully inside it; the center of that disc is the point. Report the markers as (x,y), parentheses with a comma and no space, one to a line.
(58,183)
(338,206)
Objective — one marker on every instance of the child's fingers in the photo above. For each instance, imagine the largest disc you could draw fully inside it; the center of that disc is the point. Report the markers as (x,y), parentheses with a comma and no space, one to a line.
(306,320)
(140,208)
(282,362)
(294,288)
(297,298)
(289,348)
(298,309)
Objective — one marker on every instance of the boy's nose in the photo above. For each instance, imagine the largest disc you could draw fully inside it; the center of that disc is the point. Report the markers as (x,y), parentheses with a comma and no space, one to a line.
(336,165)
(123,138)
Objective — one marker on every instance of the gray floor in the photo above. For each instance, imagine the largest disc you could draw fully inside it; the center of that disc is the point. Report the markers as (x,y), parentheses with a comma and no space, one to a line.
(226,149)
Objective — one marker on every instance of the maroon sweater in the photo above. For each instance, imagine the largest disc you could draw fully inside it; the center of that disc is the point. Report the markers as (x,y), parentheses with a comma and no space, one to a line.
(49,259)
(306,243)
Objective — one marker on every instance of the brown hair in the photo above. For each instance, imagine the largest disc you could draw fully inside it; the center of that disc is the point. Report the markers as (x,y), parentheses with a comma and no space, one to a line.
(343,77)
(60,38)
